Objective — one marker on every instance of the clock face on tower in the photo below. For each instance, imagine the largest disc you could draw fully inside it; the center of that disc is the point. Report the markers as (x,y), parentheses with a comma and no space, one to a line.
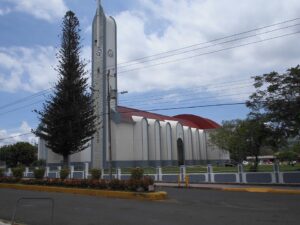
(110,53)
(99,52)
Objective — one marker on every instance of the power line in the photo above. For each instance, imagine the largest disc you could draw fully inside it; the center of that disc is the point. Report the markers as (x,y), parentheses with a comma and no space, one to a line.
(237,34)
(188,93)
(129,101)
(37,94)
(229,83)
(209,46)
(214,40)
(207,53)
(153,110)
(11,137)
(184,101)
(22,107)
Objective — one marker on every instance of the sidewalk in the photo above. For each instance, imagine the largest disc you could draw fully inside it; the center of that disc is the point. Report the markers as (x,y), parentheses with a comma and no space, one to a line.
(237,187)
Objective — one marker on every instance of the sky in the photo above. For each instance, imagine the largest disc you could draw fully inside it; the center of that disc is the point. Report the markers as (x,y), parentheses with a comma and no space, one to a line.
(187,54)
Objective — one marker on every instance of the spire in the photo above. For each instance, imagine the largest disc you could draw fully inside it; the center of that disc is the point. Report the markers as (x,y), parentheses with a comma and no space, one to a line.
(98,22)
(98,6)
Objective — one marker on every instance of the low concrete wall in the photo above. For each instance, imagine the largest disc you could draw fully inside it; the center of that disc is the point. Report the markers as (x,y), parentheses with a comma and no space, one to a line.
(259,178)
(198,178)
(225,178)
(291,177)
(170,178)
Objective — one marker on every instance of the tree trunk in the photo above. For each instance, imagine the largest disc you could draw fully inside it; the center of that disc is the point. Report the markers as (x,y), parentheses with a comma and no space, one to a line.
(256,163)
(65,161)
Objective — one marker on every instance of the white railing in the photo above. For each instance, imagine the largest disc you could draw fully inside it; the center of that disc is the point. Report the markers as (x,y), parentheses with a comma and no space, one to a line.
(209,176)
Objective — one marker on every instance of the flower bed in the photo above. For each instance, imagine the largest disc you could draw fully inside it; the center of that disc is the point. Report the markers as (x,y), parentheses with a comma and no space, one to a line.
(117,185)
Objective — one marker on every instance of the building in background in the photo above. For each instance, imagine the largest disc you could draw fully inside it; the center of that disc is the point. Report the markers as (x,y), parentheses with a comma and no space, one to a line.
(137,138)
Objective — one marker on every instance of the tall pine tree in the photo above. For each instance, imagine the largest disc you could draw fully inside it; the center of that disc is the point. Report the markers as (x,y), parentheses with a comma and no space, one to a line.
(67,118)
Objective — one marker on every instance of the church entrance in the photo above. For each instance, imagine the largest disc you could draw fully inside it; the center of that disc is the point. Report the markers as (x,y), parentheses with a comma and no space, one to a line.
(180,151)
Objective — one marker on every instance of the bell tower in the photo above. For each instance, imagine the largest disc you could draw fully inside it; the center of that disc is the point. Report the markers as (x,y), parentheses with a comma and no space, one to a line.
(104,82)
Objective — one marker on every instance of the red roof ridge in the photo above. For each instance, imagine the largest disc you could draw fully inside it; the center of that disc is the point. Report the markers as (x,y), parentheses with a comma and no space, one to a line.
(189,120)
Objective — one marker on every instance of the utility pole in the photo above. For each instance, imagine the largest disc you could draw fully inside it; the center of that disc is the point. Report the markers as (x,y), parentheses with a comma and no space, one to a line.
(109,127)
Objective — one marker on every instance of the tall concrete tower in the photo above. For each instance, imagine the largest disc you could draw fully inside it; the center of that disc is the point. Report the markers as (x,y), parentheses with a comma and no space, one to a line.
(104,81)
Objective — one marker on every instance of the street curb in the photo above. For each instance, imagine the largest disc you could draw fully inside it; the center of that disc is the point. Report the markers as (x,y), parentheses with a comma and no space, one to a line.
(161,195)
(263,190)
(240,189)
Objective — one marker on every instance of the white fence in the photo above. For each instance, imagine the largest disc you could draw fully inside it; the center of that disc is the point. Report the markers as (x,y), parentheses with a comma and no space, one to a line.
(274,177)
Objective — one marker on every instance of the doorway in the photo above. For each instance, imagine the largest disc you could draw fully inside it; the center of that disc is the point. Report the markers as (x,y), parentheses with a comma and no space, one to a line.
(180,151)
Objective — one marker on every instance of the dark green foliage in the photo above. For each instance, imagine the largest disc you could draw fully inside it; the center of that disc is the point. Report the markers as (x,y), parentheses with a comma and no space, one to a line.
(21,153)
(96,174)
(295,147)
(39,173)
(39,163)
(18,172)
(277,99)
(67,119)
(137,173)
(64,173)
(244,138)
(1,172)
(287,156)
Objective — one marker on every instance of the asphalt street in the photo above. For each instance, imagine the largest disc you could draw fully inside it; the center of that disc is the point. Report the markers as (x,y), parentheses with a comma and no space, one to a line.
(184,207)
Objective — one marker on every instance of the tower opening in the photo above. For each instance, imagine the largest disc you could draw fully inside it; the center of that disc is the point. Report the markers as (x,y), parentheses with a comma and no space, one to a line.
(180,152)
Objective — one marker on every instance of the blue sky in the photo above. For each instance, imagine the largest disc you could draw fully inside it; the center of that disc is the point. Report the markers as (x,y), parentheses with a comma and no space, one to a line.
(202,74)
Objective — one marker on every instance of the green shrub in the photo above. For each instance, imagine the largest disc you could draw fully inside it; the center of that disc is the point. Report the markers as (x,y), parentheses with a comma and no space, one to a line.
(18,172)
(121,185)
(96,174)
(64,173)
(39,173)
(39,163)
(1,172)
(253,168)
(137,173)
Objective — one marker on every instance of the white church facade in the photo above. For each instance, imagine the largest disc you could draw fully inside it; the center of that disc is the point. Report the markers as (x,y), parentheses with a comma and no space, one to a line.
(129,137)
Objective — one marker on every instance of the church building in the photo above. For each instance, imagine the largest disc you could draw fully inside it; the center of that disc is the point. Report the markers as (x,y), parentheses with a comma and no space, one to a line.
(128,137)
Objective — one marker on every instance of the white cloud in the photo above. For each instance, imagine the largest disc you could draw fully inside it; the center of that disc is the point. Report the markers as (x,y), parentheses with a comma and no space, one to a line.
(157,26)
(185,23)
(15,135)
(31,69)
(4,11)
(28,69)
(47,10)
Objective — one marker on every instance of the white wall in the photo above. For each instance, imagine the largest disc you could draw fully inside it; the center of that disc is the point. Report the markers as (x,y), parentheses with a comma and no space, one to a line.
(51,157)
(122,142)
(141,138)
(188,146)
(196,146)
(166,141)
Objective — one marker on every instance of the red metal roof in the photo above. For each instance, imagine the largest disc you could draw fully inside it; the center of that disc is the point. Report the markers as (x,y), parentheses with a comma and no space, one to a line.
(185,119)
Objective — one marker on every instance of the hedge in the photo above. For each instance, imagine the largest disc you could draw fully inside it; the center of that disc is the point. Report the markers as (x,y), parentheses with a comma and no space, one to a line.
(120,185)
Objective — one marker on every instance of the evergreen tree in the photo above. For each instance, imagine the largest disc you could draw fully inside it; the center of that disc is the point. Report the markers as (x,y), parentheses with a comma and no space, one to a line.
(67,118)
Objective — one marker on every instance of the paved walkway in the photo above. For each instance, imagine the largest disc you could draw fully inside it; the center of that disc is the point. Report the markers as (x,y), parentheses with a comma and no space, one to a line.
(293,189)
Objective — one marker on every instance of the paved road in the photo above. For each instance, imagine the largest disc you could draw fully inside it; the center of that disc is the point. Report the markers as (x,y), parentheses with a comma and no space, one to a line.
(185,207)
